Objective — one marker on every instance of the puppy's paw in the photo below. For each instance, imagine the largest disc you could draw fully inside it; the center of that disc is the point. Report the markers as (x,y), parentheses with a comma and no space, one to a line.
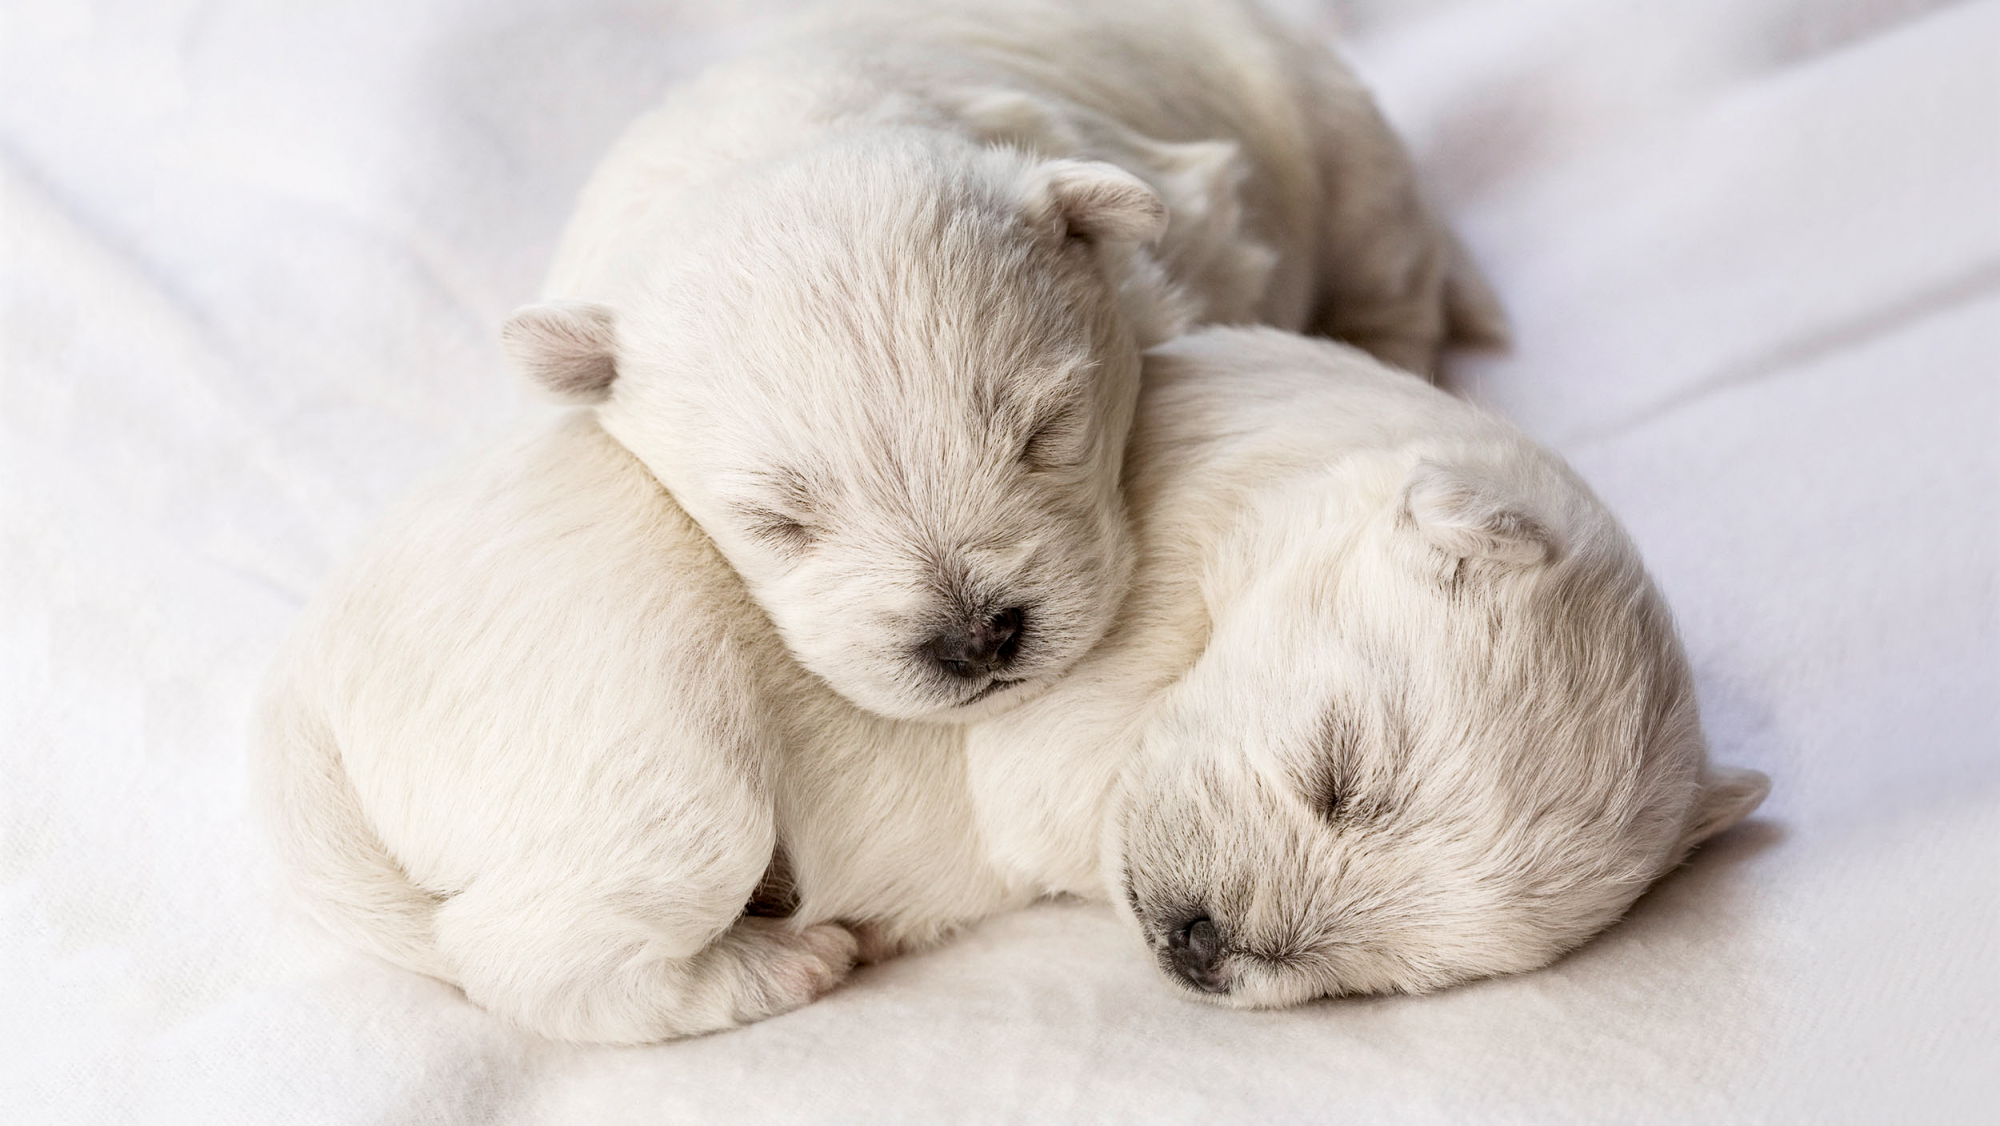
(783,968)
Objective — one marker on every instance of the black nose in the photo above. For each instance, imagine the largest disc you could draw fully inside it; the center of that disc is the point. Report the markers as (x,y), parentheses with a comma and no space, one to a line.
(980,647)
(1195,952)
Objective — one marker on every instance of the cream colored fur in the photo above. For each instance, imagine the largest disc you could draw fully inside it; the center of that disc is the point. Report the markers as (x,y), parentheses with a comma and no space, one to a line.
(1391,705)
(870,301)
(1405,709)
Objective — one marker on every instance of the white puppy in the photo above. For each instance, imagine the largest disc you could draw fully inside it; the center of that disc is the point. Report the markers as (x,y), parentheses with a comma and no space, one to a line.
(870,303)
(1392,705)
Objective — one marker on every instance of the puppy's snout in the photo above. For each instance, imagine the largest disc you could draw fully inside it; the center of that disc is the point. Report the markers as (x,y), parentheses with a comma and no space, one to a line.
(1195,953)
(981,646)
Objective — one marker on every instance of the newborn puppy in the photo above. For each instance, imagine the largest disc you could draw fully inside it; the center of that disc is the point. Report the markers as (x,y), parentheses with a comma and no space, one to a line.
(537,741)
(870,303)
(1391,705)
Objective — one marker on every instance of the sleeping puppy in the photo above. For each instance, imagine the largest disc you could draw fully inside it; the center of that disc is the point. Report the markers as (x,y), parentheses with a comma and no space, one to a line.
(1391,705)
(870,303)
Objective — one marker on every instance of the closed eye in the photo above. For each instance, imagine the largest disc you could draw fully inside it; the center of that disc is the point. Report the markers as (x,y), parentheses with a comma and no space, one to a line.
(780,532)
(1057,441)
(779,509)
(1327,777)
(1329,796)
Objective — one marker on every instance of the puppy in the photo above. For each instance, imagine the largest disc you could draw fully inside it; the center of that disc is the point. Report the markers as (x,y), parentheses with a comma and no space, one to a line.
(1391,705)
(538,742)
(870,303)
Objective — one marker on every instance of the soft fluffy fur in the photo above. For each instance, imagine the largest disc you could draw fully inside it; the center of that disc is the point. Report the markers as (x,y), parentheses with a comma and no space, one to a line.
(870,302)
(1392,705)
(1405,709)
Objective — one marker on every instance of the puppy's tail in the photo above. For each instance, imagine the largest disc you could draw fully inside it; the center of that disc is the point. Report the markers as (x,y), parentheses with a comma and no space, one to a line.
(336,862)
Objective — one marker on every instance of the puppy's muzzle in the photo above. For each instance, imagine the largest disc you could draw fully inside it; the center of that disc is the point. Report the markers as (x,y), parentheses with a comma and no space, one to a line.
(983,645)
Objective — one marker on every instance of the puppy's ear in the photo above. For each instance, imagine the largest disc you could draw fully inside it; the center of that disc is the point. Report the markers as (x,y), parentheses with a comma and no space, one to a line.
(1728,795)
(568,348)
(1099,202)
(1462,515)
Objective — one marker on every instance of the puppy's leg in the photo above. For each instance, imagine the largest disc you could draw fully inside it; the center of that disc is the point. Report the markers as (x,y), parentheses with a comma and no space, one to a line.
(626,926)
(632,963)
(1393,279)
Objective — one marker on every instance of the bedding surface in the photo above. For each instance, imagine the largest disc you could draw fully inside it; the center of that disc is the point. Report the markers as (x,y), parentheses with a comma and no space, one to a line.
(255,256)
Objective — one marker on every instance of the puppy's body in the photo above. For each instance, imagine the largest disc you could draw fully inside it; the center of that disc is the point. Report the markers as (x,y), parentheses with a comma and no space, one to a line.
(538,742)
(870,303)
(1391,706)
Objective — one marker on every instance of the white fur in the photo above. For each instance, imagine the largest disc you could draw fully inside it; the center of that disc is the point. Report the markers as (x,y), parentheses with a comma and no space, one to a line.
(539,741)
(1400,706)
(876,295)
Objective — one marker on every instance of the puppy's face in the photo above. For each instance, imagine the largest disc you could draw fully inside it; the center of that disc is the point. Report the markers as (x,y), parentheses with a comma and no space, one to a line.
(893,381)
(1449,737)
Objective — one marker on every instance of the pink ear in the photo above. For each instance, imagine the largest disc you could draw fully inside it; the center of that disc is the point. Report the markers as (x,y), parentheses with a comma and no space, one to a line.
(1728,795)
(569,348)
(1092,200)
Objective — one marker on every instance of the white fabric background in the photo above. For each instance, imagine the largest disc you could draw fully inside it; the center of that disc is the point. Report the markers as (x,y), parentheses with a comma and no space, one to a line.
(255,252)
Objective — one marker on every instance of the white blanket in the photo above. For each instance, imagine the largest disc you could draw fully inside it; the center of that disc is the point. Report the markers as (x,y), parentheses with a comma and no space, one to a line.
(255,252)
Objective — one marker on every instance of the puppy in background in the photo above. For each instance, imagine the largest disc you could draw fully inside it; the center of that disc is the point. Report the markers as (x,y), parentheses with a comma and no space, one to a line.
(870,303)
(1391,705)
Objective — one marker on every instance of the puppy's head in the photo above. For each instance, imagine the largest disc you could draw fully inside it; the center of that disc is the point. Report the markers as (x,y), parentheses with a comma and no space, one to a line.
(1443,730)
(892,377)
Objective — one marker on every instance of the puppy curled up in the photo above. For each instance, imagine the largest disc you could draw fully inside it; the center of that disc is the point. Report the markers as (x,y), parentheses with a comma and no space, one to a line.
(870,302)
(1391,704)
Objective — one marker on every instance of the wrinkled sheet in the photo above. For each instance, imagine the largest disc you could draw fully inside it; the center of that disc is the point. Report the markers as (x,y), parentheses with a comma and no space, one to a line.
(255,252)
